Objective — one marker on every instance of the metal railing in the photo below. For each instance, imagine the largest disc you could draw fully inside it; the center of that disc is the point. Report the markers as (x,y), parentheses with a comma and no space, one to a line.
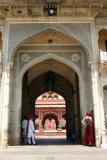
(103,56)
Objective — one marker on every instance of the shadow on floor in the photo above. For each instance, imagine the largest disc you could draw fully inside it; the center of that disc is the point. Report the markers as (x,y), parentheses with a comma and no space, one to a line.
(51,141)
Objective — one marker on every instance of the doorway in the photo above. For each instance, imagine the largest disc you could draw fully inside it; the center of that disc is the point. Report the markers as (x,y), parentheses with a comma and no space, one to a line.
(35,85)
(50,117)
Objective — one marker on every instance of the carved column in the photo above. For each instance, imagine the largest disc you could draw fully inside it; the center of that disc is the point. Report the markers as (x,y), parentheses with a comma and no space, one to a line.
(5,82)
(0,99)
(1,63)
(96,87)
(96,105)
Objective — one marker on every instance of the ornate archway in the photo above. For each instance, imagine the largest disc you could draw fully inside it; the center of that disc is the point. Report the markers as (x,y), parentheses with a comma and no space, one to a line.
(66,63)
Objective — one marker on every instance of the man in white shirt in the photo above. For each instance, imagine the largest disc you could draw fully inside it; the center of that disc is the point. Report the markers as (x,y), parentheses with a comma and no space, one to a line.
(31,131)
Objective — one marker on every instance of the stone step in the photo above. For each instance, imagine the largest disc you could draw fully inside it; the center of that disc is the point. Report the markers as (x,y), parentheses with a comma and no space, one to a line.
(53,152)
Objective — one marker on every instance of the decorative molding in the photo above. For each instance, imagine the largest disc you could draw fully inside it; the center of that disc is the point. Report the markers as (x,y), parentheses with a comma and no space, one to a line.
(75,57)
(25,58)
(47,48)
(35,8)
(53,35)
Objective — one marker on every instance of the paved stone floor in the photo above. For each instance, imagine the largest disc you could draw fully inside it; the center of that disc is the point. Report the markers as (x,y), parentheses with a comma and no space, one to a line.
(52,151)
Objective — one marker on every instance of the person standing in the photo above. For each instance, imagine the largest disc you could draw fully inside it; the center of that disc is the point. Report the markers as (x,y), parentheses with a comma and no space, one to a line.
(24,130)
(88,135)
(31,131)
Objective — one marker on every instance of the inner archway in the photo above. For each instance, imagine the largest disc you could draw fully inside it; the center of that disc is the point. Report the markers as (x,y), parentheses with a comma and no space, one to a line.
(50,117)
(49,111)
(66,84)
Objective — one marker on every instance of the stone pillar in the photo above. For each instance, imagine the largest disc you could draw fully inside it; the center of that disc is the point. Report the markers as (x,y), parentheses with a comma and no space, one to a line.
(96,86)
(95,91)
(5,104)
(0,80)
(0,100)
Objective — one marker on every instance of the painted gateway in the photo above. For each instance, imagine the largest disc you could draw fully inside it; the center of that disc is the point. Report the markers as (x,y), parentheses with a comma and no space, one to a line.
(66,37)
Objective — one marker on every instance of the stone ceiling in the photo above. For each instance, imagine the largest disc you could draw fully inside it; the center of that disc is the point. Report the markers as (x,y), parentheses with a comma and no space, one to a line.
(35,8)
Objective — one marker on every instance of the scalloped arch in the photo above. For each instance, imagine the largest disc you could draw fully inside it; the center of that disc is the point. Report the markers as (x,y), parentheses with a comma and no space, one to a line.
(101,28)
(77,39)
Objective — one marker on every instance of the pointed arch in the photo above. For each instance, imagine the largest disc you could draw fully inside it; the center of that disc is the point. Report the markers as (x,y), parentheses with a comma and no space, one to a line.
(62,60)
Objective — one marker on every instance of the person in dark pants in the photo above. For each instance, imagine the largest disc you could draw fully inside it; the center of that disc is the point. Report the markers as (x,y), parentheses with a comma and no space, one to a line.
(24,130)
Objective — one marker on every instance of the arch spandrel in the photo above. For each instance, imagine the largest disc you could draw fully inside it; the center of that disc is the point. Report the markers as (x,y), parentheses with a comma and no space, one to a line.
(55,57)
(20,32)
